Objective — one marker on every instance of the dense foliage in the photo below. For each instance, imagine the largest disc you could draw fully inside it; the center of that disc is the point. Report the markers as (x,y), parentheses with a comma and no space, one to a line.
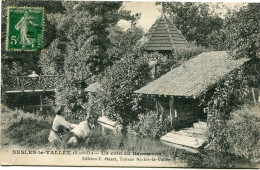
(25,129)
(229,95)
(196,21)
(118,83)
(246,143)
(148,126)
(123,42)
(83,51)
(242,31)
(87,38)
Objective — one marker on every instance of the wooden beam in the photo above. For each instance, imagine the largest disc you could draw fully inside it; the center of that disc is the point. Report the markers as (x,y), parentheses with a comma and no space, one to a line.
(27,91)
(157,109)
(160,104)
(171,106)
(253,94)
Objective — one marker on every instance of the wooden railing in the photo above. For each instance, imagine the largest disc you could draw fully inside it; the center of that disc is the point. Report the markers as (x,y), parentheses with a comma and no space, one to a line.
(29,83)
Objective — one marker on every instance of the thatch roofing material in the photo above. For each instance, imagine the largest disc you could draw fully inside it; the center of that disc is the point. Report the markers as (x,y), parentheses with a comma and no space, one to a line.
(93,87)
(163,35)
(194,76)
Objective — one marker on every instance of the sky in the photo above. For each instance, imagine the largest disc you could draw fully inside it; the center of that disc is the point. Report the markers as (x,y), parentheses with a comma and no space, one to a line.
(150,12)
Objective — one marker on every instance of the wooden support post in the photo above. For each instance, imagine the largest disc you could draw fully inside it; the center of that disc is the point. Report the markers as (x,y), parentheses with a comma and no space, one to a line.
(171,105)
(22,84)
(41,103)
(102,112)
(253,94)
(41,78)
(157,109)
(103,130)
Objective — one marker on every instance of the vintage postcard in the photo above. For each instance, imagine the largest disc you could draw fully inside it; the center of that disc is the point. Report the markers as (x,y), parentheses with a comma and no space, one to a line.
(130,84)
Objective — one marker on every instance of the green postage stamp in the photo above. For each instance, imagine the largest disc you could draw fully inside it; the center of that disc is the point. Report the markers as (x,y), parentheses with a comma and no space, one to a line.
(25,28)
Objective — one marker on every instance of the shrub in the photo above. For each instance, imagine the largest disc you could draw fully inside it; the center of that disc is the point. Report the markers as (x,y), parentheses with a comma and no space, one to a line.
(229,129)
(25,128)
(243,132)
(30,132)
(149,126)
(71,95)
(240,134)
(118,83)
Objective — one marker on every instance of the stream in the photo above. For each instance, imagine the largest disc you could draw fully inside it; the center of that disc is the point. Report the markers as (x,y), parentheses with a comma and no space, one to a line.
(106,139)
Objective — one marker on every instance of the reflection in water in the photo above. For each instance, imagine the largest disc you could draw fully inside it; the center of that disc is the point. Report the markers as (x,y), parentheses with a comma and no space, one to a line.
(108,138)
(114,139)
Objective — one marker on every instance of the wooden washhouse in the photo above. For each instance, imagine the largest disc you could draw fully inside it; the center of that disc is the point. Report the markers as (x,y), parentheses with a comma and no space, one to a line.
(176,94)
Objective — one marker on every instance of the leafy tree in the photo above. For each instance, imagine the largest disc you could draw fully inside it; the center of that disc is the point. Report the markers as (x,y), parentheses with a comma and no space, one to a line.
(242,37)
(227,97)
(118,83)
(242,31)
(123,42)
(52,61)
(84,36)
(194,20)
(88,32)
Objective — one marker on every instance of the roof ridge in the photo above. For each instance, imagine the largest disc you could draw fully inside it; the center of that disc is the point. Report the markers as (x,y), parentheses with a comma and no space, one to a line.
(163,35)
(167,28)
(179,32)
(152,33)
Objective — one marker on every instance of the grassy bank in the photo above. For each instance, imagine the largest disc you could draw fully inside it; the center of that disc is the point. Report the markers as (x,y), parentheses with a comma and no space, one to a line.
(23,128)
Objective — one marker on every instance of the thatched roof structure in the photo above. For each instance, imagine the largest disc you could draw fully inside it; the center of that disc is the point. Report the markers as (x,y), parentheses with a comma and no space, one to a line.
(194,76)
(164,36)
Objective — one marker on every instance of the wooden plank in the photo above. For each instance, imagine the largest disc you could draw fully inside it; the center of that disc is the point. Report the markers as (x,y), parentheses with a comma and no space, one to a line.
(195,131)
(185,138)
(28,91)
(107,126)
(157,108)
(200,126)
(107,121)
(182,141)
(192,150)
(158,45)
(158,48)
(191,134)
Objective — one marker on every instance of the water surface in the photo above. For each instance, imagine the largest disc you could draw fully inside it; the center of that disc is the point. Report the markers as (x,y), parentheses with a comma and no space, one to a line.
(110,140)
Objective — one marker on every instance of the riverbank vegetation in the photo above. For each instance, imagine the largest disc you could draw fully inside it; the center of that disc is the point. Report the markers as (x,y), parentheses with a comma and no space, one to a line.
(28,130)
(25,129)
(95,49)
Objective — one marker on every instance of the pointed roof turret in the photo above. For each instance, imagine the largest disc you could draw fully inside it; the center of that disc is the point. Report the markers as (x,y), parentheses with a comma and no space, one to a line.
(164,36)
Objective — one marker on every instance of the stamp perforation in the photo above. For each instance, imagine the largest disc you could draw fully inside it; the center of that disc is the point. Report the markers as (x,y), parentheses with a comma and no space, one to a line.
(42,29)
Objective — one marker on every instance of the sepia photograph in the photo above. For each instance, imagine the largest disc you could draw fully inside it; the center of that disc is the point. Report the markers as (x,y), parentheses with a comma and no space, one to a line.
(130,84)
